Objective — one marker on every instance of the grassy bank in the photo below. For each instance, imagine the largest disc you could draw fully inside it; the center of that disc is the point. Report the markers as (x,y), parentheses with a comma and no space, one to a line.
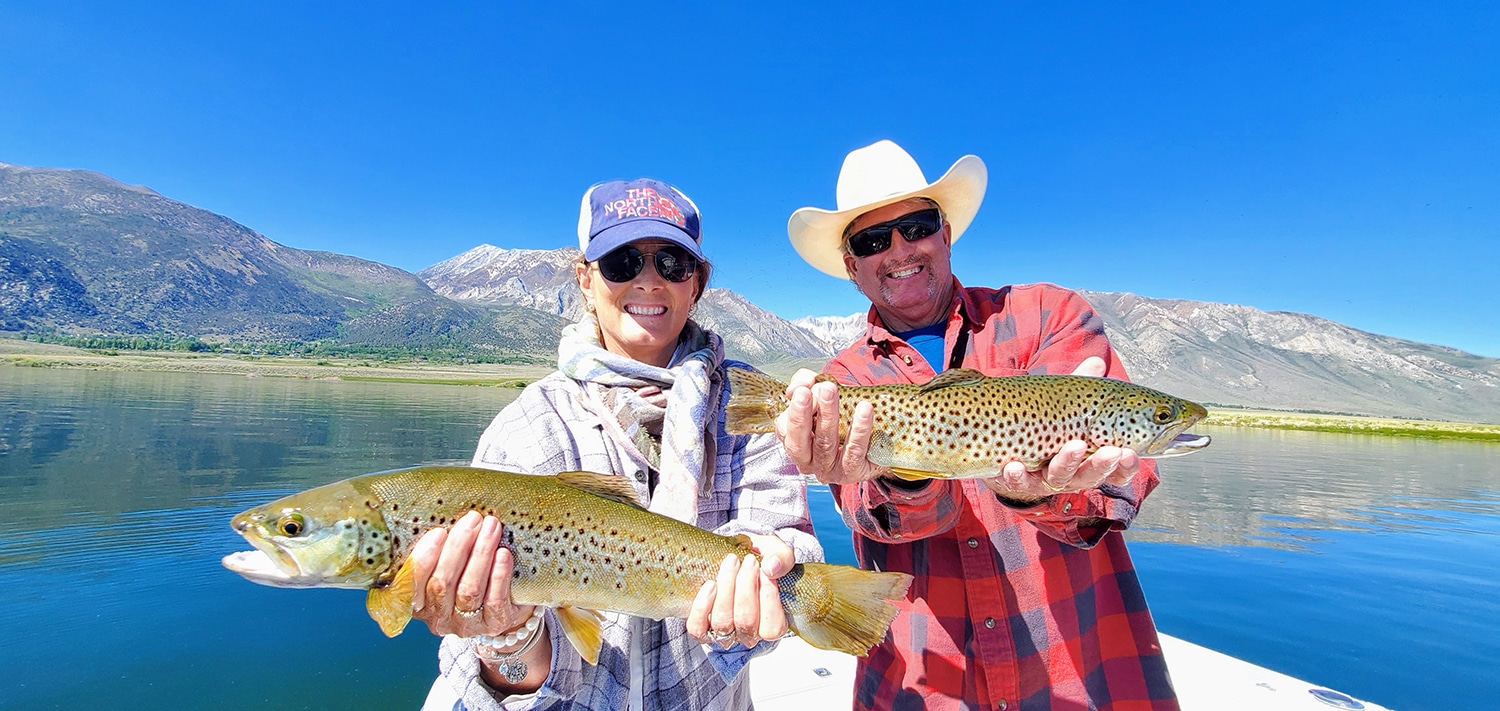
(1351,424)
(42,355)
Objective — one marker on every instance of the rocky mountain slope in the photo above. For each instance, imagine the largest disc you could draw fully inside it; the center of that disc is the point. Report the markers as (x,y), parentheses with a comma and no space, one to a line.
(81,253)
(1239,355)
(544,280)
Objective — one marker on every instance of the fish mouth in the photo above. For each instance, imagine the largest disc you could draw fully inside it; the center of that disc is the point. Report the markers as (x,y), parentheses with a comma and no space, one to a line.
(1185,443)
(258,567)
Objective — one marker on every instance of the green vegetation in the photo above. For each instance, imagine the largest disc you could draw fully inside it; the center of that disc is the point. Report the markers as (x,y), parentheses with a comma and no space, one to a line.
(1351,424)
(448,353)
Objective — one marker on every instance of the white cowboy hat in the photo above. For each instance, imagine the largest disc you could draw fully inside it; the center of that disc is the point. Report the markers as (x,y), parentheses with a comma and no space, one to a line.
(875,176)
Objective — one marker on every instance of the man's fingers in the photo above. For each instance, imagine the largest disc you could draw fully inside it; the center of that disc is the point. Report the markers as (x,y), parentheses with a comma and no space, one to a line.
(1092,366)
(1099,465)
(797,424)
(825,426)
(1063,469)
(1128,466)
(803,378)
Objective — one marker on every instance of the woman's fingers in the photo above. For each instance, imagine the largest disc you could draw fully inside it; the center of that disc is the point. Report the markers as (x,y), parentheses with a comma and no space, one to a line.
(747,602)
(721,619)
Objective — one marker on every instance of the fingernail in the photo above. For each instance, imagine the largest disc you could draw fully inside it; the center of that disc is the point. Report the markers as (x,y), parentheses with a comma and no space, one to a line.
(488,526)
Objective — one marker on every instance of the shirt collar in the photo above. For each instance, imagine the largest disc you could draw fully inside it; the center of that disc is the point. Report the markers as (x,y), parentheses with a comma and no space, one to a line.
(876,333)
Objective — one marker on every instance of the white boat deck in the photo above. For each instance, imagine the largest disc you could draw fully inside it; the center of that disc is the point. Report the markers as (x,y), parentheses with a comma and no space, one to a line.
(797,677)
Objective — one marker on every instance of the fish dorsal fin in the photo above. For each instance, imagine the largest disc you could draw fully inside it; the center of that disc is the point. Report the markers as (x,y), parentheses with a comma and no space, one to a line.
(583,629)
(609,486)
(390,605)
(950,378)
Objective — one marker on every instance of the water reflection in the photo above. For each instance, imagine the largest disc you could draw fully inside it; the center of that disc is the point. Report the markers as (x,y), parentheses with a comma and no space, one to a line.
(1286,488)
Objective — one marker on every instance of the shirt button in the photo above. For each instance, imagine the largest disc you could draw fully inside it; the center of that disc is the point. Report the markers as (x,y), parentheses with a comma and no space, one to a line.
(973,542)
(1067,506)
(906,358)
(989,623)
(1003,705)
(640,476)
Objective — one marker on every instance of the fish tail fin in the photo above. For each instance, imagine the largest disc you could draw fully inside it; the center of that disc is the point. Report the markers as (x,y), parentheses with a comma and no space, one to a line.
(754,402)
(841,608)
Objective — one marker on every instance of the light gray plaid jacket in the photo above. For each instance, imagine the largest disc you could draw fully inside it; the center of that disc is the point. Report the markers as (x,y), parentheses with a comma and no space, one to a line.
(551,428)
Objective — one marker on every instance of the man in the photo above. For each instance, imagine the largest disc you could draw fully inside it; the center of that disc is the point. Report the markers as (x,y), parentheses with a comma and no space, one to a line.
(1025,597)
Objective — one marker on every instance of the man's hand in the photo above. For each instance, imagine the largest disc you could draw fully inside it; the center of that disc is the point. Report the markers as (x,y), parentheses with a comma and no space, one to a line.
(809,429)
(1072,468)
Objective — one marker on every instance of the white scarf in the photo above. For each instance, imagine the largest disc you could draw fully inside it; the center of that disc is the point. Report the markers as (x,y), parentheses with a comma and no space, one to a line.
(692,386)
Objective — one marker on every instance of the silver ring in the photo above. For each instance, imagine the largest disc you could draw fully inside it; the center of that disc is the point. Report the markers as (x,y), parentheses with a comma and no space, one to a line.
(468,614)
(717,636)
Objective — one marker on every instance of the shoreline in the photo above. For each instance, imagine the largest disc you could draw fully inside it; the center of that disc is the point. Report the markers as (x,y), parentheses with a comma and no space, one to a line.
(42,355)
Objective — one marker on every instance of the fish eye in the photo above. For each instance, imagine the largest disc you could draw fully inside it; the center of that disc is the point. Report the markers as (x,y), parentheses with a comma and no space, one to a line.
(1163,414)
(291,524)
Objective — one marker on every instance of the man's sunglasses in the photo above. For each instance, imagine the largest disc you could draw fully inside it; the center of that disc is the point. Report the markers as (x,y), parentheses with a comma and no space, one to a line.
(913,226)
(673,263)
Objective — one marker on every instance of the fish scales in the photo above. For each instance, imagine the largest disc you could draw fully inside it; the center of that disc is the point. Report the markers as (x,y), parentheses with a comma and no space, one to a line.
(568,551)
(963,424)
(580,542)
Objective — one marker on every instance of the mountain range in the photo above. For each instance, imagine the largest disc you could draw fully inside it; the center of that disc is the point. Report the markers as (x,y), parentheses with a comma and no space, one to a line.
(83,254)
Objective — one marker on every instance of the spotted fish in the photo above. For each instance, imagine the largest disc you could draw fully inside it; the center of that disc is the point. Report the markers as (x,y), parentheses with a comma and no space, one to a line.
(581,543)
(963,424)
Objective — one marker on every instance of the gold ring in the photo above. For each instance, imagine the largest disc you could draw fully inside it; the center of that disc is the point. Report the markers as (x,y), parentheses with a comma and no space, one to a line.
(1050,487)
(718,636)
(468,614)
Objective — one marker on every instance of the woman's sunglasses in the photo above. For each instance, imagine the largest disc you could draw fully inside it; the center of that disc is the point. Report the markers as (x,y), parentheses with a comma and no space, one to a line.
(673,263)
(913,226)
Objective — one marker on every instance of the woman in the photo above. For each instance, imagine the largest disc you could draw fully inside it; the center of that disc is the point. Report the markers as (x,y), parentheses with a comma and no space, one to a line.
(640,392)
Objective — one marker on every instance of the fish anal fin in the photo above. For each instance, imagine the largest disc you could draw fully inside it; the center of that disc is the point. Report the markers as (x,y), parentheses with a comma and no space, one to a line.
(390,605)
(917,474)
(583,629)
(953,377)
(608,486)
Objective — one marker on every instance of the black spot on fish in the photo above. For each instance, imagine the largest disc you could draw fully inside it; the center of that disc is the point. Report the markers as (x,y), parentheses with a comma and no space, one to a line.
(440,502)
(369,561)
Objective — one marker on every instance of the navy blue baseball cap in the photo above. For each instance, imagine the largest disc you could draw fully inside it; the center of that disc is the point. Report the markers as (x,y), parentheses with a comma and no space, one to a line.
(618,212)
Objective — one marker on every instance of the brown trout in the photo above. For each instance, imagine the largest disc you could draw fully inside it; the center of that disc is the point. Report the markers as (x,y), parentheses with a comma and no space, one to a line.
(581,543)
(962,424)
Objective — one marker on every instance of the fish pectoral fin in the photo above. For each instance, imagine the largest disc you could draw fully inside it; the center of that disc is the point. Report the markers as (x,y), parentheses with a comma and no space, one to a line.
(609,486)
(583,629)
(950,378)
(390,605)
(917,474)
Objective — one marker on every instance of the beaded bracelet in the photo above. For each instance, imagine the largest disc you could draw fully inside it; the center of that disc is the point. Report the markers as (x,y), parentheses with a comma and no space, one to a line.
(509,664)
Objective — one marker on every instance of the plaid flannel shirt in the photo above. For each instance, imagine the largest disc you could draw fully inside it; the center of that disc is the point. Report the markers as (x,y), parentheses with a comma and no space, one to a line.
(1026,608)
(555,426)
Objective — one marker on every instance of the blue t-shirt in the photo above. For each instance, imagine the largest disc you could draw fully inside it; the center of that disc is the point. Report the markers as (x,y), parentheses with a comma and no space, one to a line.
(928,340)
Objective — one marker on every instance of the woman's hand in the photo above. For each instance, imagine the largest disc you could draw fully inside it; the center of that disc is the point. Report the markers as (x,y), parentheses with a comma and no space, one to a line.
(461,580)
(742,605)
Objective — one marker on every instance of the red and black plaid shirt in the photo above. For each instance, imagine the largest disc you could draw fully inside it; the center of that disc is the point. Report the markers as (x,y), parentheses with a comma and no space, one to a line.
(1012,608)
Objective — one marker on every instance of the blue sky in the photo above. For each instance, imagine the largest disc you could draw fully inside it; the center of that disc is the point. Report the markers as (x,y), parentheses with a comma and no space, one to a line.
(1338,159)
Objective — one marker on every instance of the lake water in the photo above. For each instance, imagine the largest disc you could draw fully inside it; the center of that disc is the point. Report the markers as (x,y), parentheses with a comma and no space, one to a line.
(1367,564)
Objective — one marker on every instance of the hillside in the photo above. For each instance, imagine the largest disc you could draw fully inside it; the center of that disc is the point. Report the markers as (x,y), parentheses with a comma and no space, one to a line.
(83,254)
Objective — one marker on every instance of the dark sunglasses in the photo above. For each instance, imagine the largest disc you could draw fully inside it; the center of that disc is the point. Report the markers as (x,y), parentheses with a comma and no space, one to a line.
(913,226)
(673,263)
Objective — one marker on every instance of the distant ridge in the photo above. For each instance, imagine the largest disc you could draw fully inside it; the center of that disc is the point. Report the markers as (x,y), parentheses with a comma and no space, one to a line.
(81,253)
(1239,355)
